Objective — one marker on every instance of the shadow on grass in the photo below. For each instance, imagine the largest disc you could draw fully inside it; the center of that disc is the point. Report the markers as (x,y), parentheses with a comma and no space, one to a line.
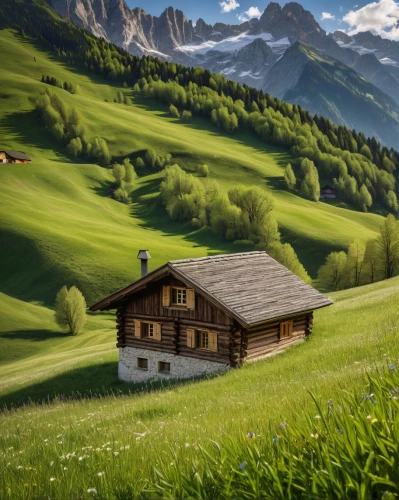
(27,129)
(89,382)
(32,335)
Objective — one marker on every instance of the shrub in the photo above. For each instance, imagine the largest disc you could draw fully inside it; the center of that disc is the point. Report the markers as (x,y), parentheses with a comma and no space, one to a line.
(173,111)
(186,115)
(119,172)
(121,195)
(203,170)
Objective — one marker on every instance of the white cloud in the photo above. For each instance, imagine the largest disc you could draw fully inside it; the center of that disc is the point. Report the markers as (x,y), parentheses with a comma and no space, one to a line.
(380,17)
(327,16)
(249,14)
(229,5)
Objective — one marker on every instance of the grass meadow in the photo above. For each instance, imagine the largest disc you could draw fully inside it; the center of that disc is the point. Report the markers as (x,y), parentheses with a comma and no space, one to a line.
(195,434)
(68,427)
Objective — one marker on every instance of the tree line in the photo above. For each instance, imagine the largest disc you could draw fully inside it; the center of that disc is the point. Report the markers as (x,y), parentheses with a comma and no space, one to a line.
(362,264)
(244,214)
(51,80)
(355,176)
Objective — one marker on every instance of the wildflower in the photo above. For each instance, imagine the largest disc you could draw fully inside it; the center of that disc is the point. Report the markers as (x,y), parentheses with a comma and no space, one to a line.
(369,397)
(100,474)
(116,453)
(275,439)
(52,479)
(316,436)
(374,420)
(51,463)
(187,445)
(250,435)
(317,417)
(109,449)
(369,417)
(283,425)
(19,467)
(93,491)
(340,431)
(391,367)
(65,468)
(243,465)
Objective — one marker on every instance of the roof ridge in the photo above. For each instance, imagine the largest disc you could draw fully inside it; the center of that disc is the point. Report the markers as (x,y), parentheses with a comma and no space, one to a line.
(221,256)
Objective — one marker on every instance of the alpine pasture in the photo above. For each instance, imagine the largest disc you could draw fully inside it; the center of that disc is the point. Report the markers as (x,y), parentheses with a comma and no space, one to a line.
(69,428)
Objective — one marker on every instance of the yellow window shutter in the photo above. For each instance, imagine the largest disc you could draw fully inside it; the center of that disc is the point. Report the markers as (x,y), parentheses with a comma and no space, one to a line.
(137,328)
(190,294)
(166,296)
(157,331)
(191,338)
(213,341)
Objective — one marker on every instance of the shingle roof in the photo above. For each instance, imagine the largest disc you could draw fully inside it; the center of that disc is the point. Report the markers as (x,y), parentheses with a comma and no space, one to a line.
(18,155)
(252,287)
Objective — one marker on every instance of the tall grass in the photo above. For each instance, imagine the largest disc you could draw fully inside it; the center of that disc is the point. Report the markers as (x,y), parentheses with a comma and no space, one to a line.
(193,439)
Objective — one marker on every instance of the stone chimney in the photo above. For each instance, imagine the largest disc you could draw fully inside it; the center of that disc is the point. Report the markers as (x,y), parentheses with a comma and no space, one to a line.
(144,255)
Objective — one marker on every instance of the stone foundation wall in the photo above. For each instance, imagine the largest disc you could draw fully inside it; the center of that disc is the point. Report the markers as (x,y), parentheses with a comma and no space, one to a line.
(180,366)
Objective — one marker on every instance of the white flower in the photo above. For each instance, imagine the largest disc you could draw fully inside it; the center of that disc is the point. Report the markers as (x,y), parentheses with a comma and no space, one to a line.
(65,468)
(317,417)
(52,479)
(93,491)
(116,453)
(100,474)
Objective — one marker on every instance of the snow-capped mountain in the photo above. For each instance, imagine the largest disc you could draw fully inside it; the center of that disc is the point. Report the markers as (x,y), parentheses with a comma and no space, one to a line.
(252,52)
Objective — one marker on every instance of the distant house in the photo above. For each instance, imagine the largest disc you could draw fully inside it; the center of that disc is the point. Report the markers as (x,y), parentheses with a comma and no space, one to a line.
(196,316)
(328,193)
(11,156)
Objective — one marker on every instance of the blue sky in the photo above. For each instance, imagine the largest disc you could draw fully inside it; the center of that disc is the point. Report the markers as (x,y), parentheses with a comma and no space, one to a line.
(380,16)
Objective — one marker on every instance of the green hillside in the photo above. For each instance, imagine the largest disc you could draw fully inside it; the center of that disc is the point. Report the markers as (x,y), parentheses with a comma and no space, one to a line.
(58,222)
(88,430)
(113,443)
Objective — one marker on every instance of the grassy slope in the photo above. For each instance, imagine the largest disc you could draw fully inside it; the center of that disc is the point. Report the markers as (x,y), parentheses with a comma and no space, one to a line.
(260,395)
(57,222)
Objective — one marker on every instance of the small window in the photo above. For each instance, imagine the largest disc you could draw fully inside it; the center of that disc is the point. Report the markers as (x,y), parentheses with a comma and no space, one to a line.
(142,363)
(147,330)
(286,330)
(163,367)
(179,296)
(202,340)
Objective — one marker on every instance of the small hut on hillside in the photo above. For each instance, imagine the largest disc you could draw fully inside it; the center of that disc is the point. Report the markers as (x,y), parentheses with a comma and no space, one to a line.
(196,316)
(328,193)
(11,156)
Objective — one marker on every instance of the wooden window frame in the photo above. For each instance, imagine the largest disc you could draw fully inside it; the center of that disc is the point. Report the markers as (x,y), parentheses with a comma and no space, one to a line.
(144,368)
(196,336)
(286,329)
(152,325)
(162,363)
(177,290)
(202,339)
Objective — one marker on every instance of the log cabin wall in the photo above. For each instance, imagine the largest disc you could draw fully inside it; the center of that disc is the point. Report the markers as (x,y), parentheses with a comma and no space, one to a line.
(265,339)
(175,320)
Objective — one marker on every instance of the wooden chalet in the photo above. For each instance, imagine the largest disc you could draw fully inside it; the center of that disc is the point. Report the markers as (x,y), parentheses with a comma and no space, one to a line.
(12,156)
(196,316)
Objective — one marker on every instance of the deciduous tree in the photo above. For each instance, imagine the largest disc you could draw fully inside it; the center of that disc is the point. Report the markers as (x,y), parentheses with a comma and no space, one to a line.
(70,310)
